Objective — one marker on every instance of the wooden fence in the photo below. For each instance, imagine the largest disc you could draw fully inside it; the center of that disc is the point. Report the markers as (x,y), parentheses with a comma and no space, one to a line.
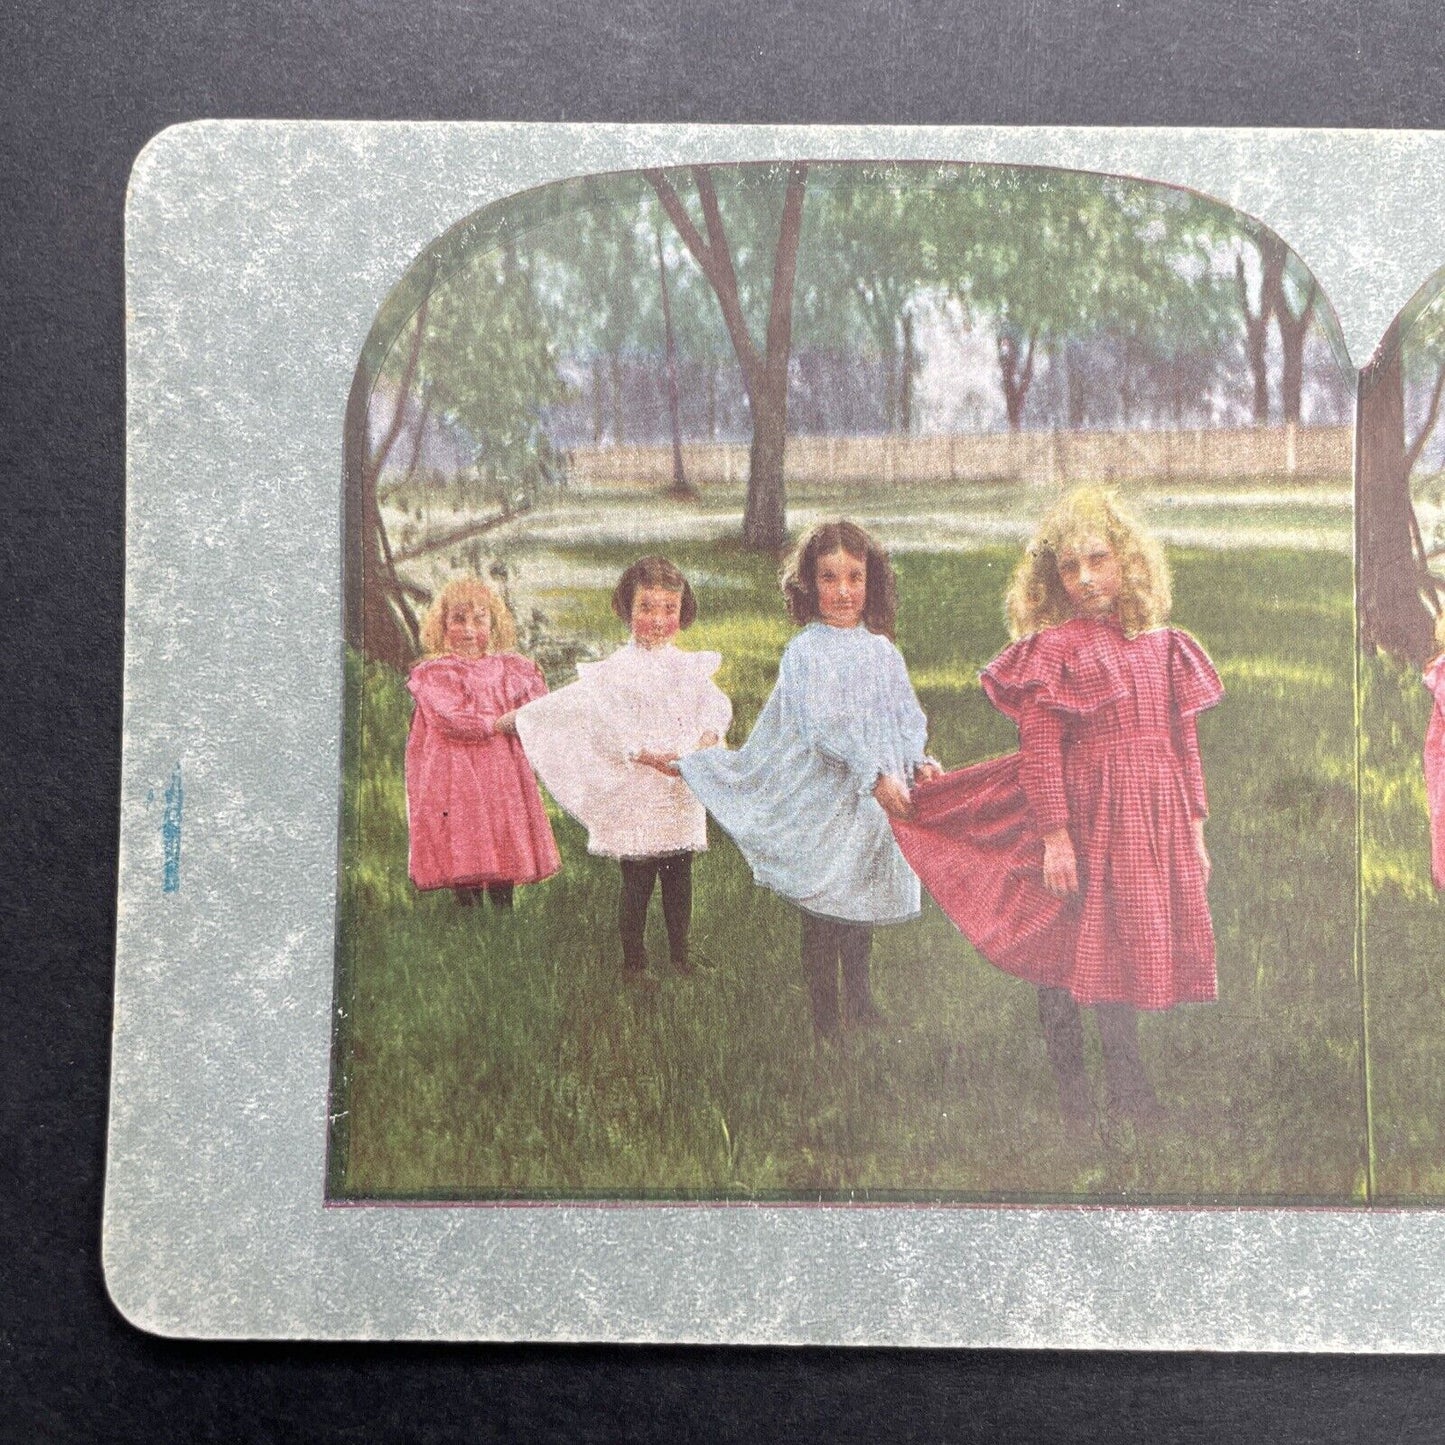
(1280,453)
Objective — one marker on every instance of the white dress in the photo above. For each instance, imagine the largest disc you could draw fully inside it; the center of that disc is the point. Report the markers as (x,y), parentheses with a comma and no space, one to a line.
(583,740)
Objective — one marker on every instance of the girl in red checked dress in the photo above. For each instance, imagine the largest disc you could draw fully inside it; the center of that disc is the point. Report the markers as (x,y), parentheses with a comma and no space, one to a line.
(476,816)
(1078,863)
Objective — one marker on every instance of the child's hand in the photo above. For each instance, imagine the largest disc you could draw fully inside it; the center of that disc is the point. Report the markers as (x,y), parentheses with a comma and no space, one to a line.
(507,723)
(1061,868)
(708,740)
(662,762)
(927,773)
(893,798)
(1205,864)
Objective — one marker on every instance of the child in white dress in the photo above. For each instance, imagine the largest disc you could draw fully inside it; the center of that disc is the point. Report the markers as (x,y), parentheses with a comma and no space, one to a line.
(606,747)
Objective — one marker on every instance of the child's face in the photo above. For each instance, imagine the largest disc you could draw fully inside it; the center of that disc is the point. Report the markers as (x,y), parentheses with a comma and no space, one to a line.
(469,630)
(842,583)
(1091,577)
(656,616)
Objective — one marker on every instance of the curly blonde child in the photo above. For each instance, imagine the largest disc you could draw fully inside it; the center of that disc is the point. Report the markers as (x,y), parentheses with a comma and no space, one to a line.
(1036,598)
(467,592)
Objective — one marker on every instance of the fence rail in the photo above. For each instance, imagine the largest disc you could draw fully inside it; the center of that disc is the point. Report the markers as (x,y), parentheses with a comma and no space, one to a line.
(1285,453)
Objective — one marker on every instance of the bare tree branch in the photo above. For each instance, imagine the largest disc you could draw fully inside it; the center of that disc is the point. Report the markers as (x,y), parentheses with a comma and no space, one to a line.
(717,265)
(398,417)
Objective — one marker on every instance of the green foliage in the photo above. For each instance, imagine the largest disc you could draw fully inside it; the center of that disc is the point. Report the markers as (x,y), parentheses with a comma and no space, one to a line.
(486,1055)
(486,363)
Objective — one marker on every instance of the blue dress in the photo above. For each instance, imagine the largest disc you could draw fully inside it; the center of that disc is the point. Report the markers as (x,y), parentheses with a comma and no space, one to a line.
(797,797)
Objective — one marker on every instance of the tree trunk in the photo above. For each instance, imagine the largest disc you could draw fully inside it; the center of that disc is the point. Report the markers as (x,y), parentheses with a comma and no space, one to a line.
(764,521)
(373,626)
(1393,614)
(765,374)
(1014,375)
(597,402)
(910,372)
(680,486)
(1293,332)
(378,621)
(1074,386)
(615,369)
(1256,325)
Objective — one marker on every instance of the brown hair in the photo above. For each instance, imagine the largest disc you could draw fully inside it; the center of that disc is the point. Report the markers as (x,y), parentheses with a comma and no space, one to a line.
(1036,598)
(653,572)
(470,592)
(799,577)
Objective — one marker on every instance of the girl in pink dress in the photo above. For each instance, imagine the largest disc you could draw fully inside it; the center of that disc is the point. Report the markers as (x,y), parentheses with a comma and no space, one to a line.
(1078,863)
(1435,757)
(476,816)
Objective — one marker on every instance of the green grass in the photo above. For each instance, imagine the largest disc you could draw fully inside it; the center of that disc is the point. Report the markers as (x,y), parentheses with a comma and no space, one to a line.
(484,1056)
(1404,940)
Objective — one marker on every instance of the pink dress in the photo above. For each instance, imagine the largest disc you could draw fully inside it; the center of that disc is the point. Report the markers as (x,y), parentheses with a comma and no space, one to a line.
(475,812)
(1435,769)
(1108,748)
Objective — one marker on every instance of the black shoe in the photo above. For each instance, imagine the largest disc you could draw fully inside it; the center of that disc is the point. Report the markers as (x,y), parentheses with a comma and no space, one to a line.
(1142,1110)
(867,1016)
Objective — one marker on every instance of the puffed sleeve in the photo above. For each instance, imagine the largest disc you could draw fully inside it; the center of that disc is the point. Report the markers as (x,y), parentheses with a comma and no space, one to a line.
(1194,686)
(909,718)
(1435,680)
(444,692)
(524,680)
(824,715)
(1193,682)
(713,708)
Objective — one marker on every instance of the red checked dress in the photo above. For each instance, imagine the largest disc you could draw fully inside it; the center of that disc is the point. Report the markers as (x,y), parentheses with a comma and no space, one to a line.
(1108,747)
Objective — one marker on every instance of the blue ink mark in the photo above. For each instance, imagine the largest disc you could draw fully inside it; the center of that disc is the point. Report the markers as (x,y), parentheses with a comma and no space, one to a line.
(171,834)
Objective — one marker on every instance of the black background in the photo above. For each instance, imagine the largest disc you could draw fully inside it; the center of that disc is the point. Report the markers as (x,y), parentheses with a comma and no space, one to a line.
(84,86)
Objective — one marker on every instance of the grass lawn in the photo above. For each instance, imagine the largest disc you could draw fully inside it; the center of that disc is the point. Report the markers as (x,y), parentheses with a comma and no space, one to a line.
(485,1056)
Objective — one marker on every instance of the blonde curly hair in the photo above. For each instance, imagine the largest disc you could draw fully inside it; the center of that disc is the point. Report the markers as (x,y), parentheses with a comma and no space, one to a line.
(1036,598)
(467,592)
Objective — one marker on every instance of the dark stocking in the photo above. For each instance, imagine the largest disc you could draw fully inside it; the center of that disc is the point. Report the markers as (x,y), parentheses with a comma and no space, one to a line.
(1130,1094)
(638,877)
(1064,1041)
(675,871)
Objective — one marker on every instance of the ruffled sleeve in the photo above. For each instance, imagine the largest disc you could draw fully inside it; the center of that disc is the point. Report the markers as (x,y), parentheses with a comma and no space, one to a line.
(524,680)
(1073,668)
(1435,679)
(714,707)
(1193,682)
(1194,686)
(911,722)
(443,688)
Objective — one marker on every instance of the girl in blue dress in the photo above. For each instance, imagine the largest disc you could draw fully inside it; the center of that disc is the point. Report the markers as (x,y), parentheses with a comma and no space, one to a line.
(834,751)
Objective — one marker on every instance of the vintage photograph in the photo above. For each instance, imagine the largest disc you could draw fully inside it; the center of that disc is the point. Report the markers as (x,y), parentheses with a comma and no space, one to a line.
(850,696)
